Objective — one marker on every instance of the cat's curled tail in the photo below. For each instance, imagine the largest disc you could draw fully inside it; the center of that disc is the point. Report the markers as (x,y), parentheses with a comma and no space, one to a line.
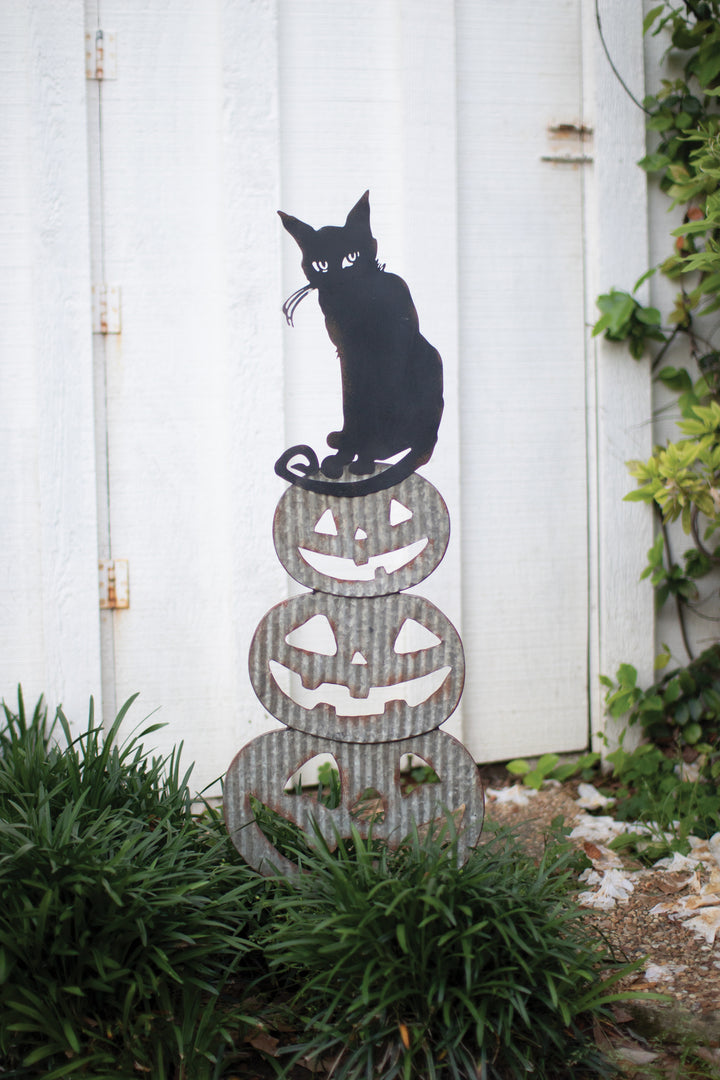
(306,479)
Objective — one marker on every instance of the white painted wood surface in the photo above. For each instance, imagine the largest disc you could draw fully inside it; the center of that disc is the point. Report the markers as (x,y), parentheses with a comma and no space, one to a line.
(194,383)
(523,424)
(219,116)
(622,616)
(48,571)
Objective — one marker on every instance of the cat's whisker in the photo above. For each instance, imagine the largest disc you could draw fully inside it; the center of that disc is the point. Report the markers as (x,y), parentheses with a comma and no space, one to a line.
(290,305)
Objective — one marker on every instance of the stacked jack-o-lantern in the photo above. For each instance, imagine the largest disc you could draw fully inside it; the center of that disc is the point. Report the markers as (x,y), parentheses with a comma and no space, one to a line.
(360,670)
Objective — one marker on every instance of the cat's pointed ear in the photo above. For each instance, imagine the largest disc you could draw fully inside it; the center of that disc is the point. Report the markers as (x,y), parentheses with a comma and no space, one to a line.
(360,213)
(299,231)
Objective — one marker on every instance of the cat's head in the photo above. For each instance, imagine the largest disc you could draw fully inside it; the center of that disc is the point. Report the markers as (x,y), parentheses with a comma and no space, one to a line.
(335,254)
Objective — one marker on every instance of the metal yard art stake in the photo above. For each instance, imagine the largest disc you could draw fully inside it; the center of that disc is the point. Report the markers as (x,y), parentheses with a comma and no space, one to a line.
(358,668)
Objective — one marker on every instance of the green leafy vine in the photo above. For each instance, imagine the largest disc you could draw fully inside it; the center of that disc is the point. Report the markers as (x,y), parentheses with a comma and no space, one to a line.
(681,479)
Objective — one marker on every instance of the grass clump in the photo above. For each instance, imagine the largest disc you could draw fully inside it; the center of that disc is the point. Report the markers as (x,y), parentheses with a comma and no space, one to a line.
(132,936)
(122,916)
(410,966)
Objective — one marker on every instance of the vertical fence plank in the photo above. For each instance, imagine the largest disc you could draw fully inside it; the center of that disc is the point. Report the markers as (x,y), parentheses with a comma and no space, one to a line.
(620,405)
(50,625)
(523,423)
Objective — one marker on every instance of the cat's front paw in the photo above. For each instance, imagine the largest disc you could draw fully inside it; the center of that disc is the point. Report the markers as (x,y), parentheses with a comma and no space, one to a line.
(333,465)
(362,467)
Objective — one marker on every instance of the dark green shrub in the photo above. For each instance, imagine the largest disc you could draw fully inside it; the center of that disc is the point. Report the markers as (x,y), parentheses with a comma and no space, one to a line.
(410,966)
(122,916)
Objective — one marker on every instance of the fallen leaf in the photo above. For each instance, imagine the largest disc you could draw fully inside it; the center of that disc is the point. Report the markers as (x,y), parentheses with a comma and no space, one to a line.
(614,885)
(602,858)
(706,924)
(686,905)
(597,829)
(677,863)
(708,851)
(267,1044)
(517,795)
(635,1055)
(405,1036)
(601,1036)
(591,799)
(662,884)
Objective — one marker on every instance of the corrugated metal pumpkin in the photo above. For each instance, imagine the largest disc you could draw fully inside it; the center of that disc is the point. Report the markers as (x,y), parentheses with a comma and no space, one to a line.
(358,669)
(372,546)
(263,767)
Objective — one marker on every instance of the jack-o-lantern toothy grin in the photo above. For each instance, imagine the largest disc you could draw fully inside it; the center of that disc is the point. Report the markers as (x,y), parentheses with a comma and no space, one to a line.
(363,567)
(348,702)
(363,668)
(372,546)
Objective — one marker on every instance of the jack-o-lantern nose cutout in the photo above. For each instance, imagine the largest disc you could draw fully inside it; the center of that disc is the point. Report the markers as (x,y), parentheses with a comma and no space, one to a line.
(372,546)
(397,670)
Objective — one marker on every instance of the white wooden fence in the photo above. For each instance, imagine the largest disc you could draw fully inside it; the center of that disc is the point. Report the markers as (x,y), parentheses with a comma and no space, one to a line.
(499,150)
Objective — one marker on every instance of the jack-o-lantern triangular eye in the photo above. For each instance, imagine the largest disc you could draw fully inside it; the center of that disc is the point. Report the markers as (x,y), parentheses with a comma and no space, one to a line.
(314,636)
(326,524)
(414,637)
(399,513)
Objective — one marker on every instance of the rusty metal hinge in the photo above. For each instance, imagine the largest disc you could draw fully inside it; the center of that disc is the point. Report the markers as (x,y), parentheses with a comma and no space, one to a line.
(114,583)
(100,54)
(568,159)
(571,131)
(106,309)
(567,140)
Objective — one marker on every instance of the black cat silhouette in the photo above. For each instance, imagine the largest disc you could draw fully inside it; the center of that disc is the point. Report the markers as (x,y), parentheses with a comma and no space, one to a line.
(392,382)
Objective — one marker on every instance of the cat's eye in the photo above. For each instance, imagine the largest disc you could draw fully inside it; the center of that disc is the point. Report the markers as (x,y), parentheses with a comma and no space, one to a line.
(350,258)
(320,267)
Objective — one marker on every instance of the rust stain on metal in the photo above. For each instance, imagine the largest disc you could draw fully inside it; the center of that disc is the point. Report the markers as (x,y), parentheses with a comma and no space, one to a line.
(113,582)
(571,131)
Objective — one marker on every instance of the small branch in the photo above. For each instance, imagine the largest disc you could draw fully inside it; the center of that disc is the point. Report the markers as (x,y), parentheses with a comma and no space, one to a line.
(617,74)
(665,347)
(701,614)
(678,600)
(714,559)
